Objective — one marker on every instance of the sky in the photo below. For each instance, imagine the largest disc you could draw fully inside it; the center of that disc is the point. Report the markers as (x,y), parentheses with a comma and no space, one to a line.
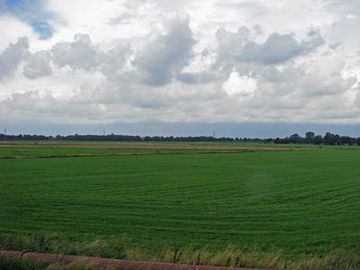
(237,67)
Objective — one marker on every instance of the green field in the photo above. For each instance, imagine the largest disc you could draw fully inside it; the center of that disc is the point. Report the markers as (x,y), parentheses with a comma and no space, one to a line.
(163,201)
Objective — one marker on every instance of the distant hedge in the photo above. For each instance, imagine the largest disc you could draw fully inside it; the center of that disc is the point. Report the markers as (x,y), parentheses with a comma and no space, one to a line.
(310,138)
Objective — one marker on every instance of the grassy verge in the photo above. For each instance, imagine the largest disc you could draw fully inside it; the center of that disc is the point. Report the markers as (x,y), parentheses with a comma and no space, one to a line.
(27,264)
(232,256)
(20,264)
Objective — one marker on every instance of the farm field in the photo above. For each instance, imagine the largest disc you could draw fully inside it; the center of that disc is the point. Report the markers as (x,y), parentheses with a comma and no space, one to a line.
(181,202)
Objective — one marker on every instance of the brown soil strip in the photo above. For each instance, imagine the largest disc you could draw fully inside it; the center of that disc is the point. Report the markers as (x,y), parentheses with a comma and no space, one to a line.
(104,263)
(145,145)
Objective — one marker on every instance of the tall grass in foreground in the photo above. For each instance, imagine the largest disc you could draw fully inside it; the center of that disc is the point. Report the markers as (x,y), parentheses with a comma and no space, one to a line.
(26,264)
(340,259)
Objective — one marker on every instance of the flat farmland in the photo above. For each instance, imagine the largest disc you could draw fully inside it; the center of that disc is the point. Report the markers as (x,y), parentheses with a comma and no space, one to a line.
(229,203)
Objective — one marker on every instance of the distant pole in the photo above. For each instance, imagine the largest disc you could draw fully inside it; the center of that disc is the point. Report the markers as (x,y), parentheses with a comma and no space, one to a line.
(5,130)
(214,134)
(104,132)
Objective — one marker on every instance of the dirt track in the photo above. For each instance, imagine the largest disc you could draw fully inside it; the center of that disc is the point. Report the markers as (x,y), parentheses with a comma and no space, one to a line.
(103,263)
(148,145)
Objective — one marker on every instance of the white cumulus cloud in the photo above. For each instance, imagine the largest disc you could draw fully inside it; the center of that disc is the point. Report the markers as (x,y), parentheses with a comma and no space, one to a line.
(189,61)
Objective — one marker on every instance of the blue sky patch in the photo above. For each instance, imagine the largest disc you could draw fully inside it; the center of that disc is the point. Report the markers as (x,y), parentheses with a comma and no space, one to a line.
(43,29)
(31,12)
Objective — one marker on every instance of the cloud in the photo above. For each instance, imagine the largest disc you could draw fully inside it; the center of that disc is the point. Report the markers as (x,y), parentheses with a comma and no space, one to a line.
(81,53)
(12,56)
(166,55)
(11,30)
(112,62)
(350,7)
(277,48)
(239,85)
(38,65)
(196,78)
(254,61)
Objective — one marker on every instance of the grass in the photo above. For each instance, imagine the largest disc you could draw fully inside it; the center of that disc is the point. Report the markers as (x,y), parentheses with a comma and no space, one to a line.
(235,206)
(28,264)
(19,264)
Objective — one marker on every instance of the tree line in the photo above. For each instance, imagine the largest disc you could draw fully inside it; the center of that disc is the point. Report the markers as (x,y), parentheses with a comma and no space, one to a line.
(309,138)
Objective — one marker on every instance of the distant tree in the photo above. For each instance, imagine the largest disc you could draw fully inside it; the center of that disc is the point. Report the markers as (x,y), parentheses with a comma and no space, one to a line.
(347,140)
(318,139)
(295,138)
(329,139)
(309,137)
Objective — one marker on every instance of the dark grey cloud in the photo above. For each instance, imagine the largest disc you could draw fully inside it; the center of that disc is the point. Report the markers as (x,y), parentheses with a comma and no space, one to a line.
(112,61)
(164,57)
(83,54)
(224,129)
(12,56)
(196,78)
(277,48)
